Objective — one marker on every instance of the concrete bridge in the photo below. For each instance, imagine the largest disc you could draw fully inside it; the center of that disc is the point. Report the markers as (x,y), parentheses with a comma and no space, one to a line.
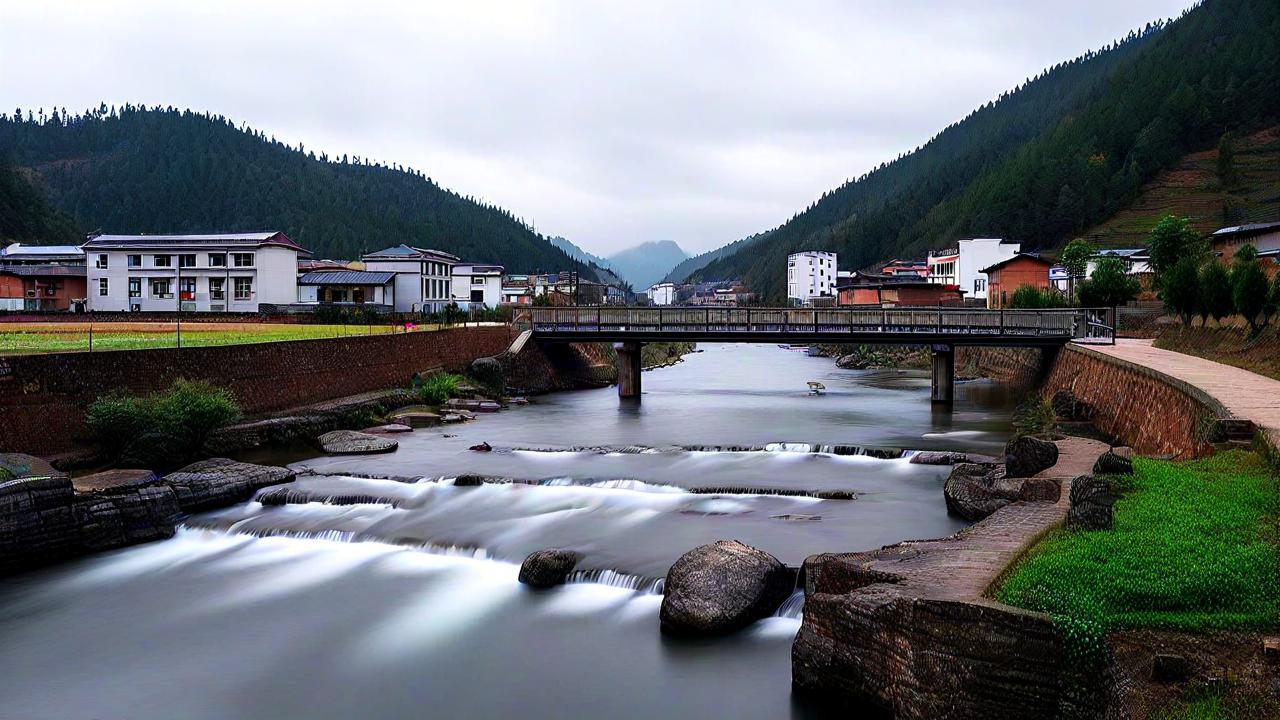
(942,329)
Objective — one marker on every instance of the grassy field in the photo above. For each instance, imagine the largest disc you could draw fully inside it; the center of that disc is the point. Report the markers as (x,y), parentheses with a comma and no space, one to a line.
(29,338)
(1194,548)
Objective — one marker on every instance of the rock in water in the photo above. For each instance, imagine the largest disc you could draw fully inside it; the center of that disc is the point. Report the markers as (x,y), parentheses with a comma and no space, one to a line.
(1026,456)
(482,447)
(1093,502)
(548,568)
(938,458)
(722,587)
(351,442)
(975,491)
(122,507)
(218,482)
(1111,463)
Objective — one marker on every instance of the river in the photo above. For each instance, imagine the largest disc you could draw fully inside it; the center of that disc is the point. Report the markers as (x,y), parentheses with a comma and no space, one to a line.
(406,604)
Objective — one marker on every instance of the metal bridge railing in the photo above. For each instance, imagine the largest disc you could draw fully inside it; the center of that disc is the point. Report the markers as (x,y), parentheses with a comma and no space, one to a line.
(1081,324)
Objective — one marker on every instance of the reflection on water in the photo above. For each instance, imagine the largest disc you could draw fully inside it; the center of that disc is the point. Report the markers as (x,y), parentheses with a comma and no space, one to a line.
(367,596)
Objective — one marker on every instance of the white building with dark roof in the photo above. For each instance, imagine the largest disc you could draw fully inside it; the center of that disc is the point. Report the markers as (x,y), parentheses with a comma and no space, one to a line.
(477,285)
(424,277)
(223,272)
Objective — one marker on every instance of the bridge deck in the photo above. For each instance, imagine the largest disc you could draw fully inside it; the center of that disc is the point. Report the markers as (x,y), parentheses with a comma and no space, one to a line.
(915,326)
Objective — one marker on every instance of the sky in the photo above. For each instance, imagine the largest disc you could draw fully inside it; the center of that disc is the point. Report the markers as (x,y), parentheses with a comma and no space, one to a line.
(610,123)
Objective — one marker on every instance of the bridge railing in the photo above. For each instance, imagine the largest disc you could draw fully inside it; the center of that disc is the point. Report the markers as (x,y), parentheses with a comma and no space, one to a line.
(1084,324)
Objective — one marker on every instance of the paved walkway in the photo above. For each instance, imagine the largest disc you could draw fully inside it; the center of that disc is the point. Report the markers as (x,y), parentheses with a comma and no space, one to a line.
(1245,395)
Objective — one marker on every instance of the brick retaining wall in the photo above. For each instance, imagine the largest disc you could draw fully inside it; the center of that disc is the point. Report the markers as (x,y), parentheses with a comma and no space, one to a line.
(43,396)
(1148,410)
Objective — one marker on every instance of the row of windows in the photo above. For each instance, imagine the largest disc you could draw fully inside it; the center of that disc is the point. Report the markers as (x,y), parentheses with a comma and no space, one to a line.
(435,288)
(240,260)
(163,288)
(435,268)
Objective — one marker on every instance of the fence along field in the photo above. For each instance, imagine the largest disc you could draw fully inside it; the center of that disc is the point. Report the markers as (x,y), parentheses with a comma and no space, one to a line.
(48,337)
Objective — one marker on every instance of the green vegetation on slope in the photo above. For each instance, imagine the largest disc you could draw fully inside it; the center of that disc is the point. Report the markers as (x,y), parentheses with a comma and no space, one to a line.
(135,169)
(1060,154)
(25,213)
(1194,548)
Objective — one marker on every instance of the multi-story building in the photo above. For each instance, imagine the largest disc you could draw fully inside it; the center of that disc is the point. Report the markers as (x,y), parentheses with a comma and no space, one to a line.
(663,293)
(811,274)
(42,277)
(963,264)
(424,277)
(477,285)
(229,272)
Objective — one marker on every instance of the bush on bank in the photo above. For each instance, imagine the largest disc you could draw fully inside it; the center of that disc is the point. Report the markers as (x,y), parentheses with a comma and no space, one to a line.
(1194,548)
(438,388)
(161,429)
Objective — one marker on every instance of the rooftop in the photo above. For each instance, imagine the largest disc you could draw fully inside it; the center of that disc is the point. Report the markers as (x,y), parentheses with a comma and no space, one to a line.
(1247,230)
(346,277)
(31,270)
(409,252)
(256,239)
(17,252)
(1019,256)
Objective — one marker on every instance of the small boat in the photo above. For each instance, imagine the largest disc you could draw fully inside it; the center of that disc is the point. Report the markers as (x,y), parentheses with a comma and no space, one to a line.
(816,388)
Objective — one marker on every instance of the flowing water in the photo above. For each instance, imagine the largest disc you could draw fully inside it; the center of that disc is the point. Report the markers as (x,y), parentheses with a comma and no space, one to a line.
(377,587)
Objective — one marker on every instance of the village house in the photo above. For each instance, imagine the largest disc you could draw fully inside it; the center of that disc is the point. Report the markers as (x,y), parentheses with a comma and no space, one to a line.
(227,272)
(663,293)
(423,277)
(878,291)
(354,287)
(962,265)
(810,275)
(42,277)
(1006,276)
(1265,237)
(477,285)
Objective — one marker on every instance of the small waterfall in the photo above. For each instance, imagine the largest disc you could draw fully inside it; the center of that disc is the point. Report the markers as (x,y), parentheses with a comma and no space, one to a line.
(792,607)
(344,536)
(613,578)
(287,496)
(774,447)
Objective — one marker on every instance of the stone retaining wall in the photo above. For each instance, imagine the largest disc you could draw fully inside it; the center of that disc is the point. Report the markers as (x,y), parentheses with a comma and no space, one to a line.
(1018,366)
(44,396)
(1150,411)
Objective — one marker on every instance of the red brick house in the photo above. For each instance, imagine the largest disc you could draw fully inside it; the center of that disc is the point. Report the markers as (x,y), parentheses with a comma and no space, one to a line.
(1005,277)
(49,277)
(885,292)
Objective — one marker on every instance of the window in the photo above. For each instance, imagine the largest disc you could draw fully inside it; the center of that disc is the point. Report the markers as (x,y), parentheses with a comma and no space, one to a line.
(135,287)
(217,259)
(162,261)
(979,285)
(217,288)
(244,286)
(102,286)
(187,288)
(242,260)
(102,261)
(135,261)
(477,296)
(161,288)
(475,280)
(188,260)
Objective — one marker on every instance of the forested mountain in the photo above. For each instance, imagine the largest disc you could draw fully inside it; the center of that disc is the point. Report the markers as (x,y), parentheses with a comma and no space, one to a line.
(25,213)
(688,266)
(1060,154)
(139,170)
(646,263)
(576,252)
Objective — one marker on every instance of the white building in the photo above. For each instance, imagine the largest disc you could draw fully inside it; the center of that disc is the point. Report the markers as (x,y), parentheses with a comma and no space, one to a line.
(663,293)
(963,264)
(424,277)
(477,285)
(231,272)
(810,275)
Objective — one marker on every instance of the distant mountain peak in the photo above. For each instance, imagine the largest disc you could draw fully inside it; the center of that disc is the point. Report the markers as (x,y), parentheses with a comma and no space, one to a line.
(648,262)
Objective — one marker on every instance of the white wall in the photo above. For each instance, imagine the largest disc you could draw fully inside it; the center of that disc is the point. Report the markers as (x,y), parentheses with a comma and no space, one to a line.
(976,254)
(464,282)
(273,279)
(662,294)
(811,274)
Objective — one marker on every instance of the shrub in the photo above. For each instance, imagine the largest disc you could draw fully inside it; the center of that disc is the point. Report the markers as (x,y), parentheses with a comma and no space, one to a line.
(1172,240)
(161,429)
(1181,290)
(1215,292)
(1109,286)
(438,388)
(1034,417)
(1028,297)
(1250,291)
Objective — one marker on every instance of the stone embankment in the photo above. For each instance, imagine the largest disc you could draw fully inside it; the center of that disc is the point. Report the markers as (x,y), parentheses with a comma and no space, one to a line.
(908,627)
(45,516)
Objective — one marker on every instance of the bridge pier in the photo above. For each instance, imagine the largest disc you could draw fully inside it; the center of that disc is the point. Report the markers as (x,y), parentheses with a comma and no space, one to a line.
(628,368)
(944,374)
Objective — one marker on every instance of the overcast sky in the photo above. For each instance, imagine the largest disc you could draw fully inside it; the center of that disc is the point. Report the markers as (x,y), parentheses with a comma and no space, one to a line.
(608,123)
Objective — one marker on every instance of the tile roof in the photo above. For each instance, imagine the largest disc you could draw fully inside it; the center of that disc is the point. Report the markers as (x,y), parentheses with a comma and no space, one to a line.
(1250,229)
(410,252)
(346,277)
(44,270)
(1019,256)
(242,239)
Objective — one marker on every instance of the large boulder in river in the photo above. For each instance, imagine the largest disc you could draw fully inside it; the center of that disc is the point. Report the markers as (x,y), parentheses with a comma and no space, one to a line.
(1113,463)
(218,482)
(974,491)
(116,508)
(351,442)
(548,568)
(1093,501)
(1025,456)
(723,587)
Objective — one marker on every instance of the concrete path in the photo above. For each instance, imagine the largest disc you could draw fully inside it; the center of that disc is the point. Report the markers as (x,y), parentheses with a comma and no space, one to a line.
(1245,395)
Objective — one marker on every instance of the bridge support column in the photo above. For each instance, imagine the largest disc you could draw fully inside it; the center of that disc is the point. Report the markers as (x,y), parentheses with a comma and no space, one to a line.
(944,374)
(628,369)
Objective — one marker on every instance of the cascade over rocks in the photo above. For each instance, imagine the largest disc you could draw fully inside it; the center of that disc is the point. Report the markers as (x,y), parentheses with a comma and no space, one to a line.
(722,587)
(216,482)
(548,568)
(1025,456)
(1092,504)
(352,442)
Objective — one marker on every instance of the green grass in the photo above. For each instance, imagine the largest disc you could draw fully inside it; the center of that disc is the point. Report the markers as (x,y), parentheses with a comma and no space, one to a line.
(28,341)
(1194,548)
(438,388)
